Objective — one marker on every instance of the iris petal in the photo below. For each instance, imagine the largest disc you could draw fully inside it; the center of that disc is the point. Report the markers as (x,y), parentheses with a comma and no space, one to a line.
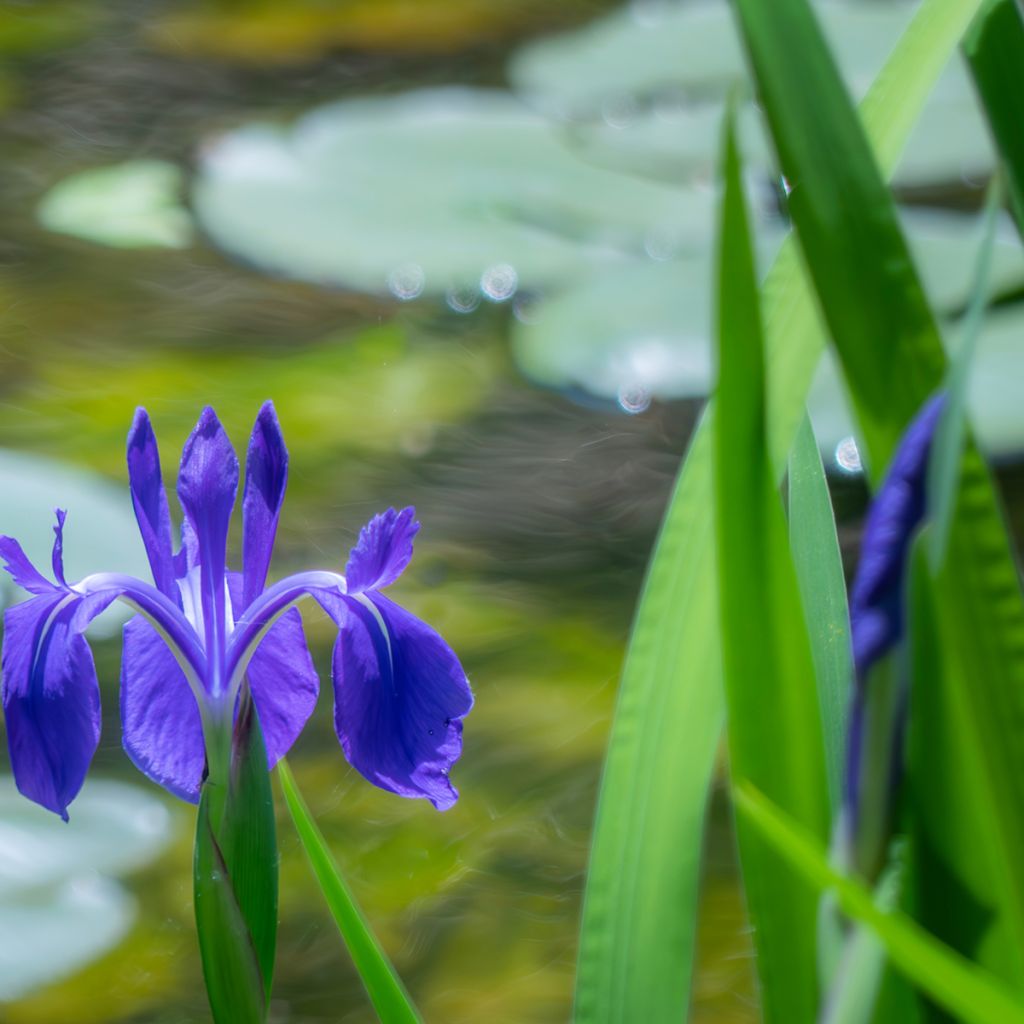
(266,476)
(207,484)
(383,550)
(22,571)
(161,728)
(284,681)
(51,696)
(876,597)
(150,501)
(400,696)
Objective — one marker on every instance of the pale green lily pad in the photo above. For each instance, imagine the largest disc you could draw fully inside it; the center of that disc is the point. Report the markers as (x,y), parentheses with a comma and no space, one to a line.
(100,534)
(55,933)
(131,205)
(646,49)
(457,191)
(645,91)
(644,332)
(58,909)
(994,394)
(113,828)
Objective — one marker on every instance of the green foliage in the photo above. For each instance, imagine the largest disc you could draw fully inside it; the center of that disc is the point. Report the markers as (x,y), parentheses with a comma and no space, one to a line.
(637,938)
(994,48)
(774,728)
(235,874)
(948,978)
(384,987)
(892,359)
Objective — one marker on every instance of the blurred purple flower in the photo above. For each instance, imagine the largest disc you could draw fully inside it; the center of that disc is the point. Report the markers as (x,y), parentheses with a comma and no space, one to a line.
(877,598)
(400,692)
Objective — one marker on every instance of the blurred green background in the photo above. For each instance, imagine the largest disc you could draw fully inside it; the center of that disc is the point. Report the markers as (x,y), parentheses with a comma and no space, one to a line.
(491,303)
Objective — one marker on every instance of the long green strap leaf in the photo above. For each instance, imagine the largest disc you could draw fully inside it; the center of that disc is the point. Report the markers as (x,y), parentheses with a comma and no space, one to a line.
(948,444)
(949,979)
(774,728)
(819,571)
(383,985)
(639,921)
(235,874)
(892,358)
(994,49)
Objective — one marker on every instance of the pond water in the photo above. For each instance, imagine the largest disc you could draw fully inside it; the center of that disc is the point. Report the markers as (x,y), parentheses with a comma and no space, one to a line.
(539,504)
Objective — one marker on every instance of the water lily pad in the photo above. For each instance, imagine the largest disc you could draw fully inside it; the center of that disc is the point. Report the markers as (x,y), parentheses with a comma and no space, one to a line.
(644,332)
(52,934)
(131,205)
(54,898)
(114,828)
(644,89)
(100,534)
(647,49)
(451,190)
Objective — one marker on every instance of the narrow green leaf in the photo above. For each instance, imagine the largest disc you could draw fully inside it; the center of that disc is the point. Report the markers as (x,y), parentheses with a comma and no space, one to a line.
(994,48)
(949,979)
(819,572)
(892,359)
(234,984)
(948,445)
(235,875)
(774,730)
(638,931)
(384,987)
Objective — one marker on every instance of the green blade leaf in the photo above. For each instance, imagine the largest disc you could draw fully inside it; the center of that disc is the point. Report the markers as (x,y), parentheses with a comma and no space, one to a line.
(383,985)
(948,444)
(235,875)
(994,48)
(892,358)
(950,980)
(819,572)
(774,728)
(637,937)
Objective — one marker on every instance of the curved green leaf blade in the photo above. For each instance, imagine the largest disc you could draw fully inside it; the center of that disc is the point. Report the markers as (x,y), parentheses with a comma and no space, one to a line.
(383,985)
(639,919)
(949,979)
(819,572)
(774,728)
(994,49)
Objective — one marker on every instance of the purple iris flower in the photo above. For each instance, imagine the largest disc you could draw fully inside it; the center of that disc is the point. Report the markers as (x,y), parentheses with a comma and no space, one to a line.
(877,614)
(400,692)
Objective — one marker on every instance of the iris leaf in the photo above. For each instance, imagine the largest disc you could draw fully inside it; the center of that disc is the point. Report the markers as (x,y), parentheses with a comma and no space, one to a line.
(235,878)
(383,985)
(639,919)
(774,727)
(994,49)
(892,358)
(948,444)
(819,571)
(951,981)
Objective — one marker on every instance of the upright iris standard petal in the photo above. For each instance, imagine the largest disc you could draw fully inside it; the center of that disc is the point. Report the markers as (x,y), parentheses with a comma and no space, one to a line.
(150,502)
(207,484)
(400,695)
(162,730)
(876,597)
(266,476)
(383,550)
(51,695)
